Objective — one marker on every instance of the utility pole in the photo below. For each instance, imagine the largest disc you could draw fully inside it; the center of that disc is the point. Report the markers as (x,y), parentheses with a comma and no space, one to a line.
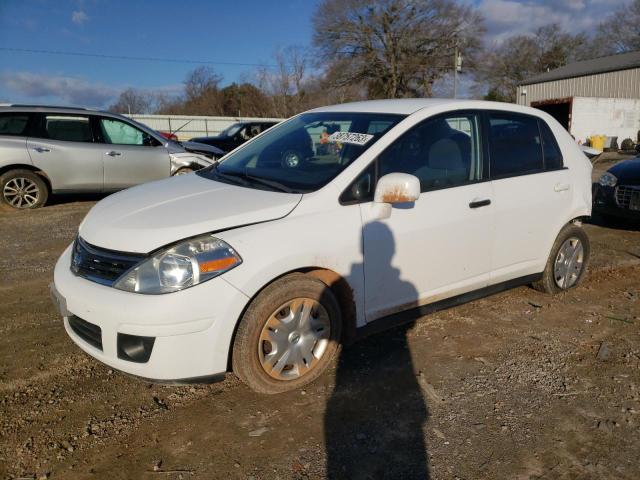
(457,67)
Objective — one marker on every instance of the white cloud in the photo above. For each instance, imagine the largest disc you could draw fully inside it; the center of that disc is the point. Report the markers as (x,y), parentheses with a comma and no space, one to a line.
(70,90)
(79,17)
(505,18)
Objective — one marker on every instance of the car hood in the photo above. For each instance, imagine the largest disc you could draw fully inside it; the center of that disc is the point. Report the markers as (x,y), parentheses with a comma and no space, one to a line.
(627,172)
(202,147)
(149,216)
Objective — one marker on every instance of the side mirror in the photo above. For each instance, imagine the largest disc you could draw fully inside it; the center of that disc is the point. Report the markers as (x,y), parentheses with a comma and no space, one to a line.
(397,188)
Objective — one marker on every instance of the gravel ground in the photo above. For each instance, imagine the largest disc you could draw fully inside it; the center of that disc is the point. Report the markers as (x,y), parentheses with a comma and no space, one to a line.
(518,385)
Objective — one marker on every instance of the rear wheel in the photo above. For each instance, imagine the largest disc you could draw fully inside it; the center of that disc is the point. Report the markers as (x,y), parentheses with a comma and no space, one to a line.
(567,262)
(288,335)
(23,189)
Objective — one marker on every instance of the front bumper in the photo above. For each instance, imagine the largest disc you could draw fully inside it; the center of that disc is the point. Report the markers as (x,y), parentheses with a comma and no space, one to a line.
(604,202)
(193,328)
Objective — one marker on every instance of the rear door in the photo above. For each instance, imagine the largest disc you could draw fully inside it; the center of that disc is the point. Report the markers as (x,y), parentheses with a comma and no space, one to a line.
(14,128)
(63,146)
(130,155)
(532,193)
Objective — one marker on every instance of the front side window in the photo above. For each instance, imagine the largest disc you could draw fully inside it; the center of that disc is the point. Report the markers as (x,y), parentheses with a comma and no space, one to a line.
(13,123)
(515,147)
(117,132)
(305,153)
(68,128)
(442,152)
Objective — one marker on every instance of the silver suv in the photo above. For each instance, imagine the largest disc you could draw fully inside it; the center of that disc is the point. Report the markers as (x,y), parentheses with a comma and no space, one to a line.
(46,150)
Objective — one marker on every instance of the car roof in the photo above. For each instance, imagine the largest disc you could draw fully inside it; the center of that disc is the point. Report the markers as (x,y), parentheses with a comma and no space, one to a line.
(407,106)
(50,109)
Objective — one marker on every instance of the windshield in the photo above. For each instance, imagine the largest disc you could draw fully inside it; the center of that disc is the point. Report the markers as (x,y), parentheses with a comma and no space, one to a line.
(231,130)
(303,154)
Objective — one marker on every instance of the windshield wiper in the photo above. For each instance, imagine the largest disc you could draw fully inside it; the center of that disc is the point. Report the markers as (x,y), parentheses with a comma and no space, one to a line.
(270,183)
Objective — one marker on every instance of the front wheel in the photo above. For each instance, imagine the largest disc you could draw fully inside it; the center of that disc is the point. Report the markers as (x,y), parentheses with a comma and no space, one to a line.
(288,335)
(567,262)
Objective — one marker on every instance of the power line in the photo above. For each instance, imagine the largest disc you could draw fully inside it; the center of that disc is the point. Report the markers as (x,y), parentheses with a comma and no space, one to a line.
(125,57)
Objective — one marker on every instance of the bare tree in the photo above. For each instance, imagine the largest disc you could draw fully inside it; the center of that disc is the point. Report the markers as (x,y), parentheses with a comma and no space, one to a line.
(132,100)
(202,96)
(620,32)
(503,67)
(285,84)
(397,48)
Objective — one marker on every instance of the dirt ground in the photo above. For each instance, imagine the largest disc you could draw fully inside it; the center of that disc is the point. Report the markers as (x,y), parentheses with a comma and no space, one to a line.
(518,385)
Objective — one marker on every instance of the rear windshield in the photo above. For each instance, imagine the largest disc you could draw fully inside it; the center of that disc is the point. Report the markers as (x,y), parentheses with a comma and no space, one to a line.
(303,154)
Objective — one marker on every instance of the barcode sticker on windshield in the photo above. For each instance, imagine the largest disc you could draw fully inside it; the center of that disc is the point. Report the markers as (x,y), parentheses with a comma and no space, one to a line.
(350,137)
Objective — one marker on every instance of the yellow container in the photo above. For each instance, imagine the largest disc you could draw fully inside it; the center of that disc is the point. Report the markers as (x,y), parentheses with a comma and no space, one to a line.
(597,141)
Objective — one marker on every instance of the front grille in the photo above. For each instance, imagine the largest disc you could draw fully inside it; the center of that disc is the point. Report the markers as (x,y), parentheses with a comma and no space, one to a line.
(624,194)
(99,264)
(90,333)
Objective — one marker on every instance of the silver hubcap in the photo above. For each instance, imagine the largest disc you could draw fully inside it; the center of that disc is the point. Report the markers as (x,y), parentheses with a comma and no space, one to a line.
(568,264)
(294,339)
(21,192)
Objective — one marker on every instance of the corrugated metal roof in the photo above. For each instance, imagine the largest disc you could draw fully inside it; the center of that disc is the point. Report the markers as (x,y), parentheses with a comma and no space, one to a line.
(621,61)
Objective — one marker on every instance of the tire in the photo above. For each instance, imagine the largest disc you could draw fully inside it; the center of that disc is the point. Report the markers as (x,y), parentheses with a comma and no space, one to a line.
(183,171)
(23,189)
(265,335)
(571,261)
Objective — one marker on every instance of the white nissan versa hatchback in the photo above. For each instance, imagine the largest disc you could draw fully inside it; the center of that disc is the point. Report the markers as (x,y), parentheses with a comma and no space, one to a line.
(322,228)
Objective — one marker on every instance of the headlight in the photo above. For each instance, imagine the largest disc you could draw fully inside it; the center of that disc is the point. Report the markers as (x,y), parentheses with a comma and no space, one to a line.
(608,180)
(183,265)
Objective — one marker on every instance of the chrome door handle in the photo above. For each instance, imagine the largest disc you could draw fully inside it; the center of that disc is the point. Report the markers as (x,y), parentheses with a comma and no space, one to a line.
(113,153)
(561,187)
(41,149)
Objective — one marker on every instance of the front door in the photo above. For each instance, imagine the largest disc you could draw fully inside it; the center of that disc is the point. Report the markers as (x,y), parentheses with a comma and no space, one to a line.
(439,246)
(130,155)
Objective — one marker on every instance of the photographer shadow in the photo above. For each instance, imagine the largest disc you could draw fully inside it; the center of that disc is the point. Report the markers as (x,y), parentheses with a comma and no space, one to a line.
(375,417)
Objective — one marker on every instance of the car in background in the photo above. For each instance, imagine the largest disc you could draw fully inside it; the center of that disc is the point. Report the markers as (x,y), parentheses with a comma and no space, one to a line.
(236,134)
(48,150)
(168,135)
(259,263)
(616,194)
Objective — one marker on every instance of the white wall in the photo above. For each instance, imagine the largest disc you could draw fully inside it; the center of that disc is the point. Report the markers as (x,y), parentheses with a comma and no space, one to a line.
(189,126)
(614,117)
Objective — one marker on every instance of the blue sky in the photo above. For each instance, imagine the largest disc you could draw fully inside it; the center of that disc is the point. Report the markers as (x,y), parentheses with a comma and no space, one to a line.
(247,31)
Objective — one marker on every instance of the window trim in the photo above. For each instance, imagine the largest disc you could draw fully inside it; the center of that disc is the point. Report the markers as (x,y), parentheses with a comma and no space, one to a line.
(484,160)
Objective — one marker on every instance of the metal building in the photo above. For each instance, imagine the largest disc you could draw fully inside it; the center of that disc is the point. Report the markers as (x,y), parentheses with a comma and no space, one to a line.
(592,97)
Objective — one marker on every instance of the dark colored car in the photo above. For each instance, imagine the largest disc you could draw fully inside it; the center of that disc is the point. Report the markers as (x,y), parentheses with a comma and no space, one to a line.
(235,135)
(617,191)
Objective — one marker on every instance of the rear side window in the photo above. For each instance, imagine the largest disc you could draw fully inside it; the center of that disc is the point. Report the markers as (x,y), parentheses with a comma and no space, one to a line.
(552,154)
(13,123)
(68,128)
(515,147)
